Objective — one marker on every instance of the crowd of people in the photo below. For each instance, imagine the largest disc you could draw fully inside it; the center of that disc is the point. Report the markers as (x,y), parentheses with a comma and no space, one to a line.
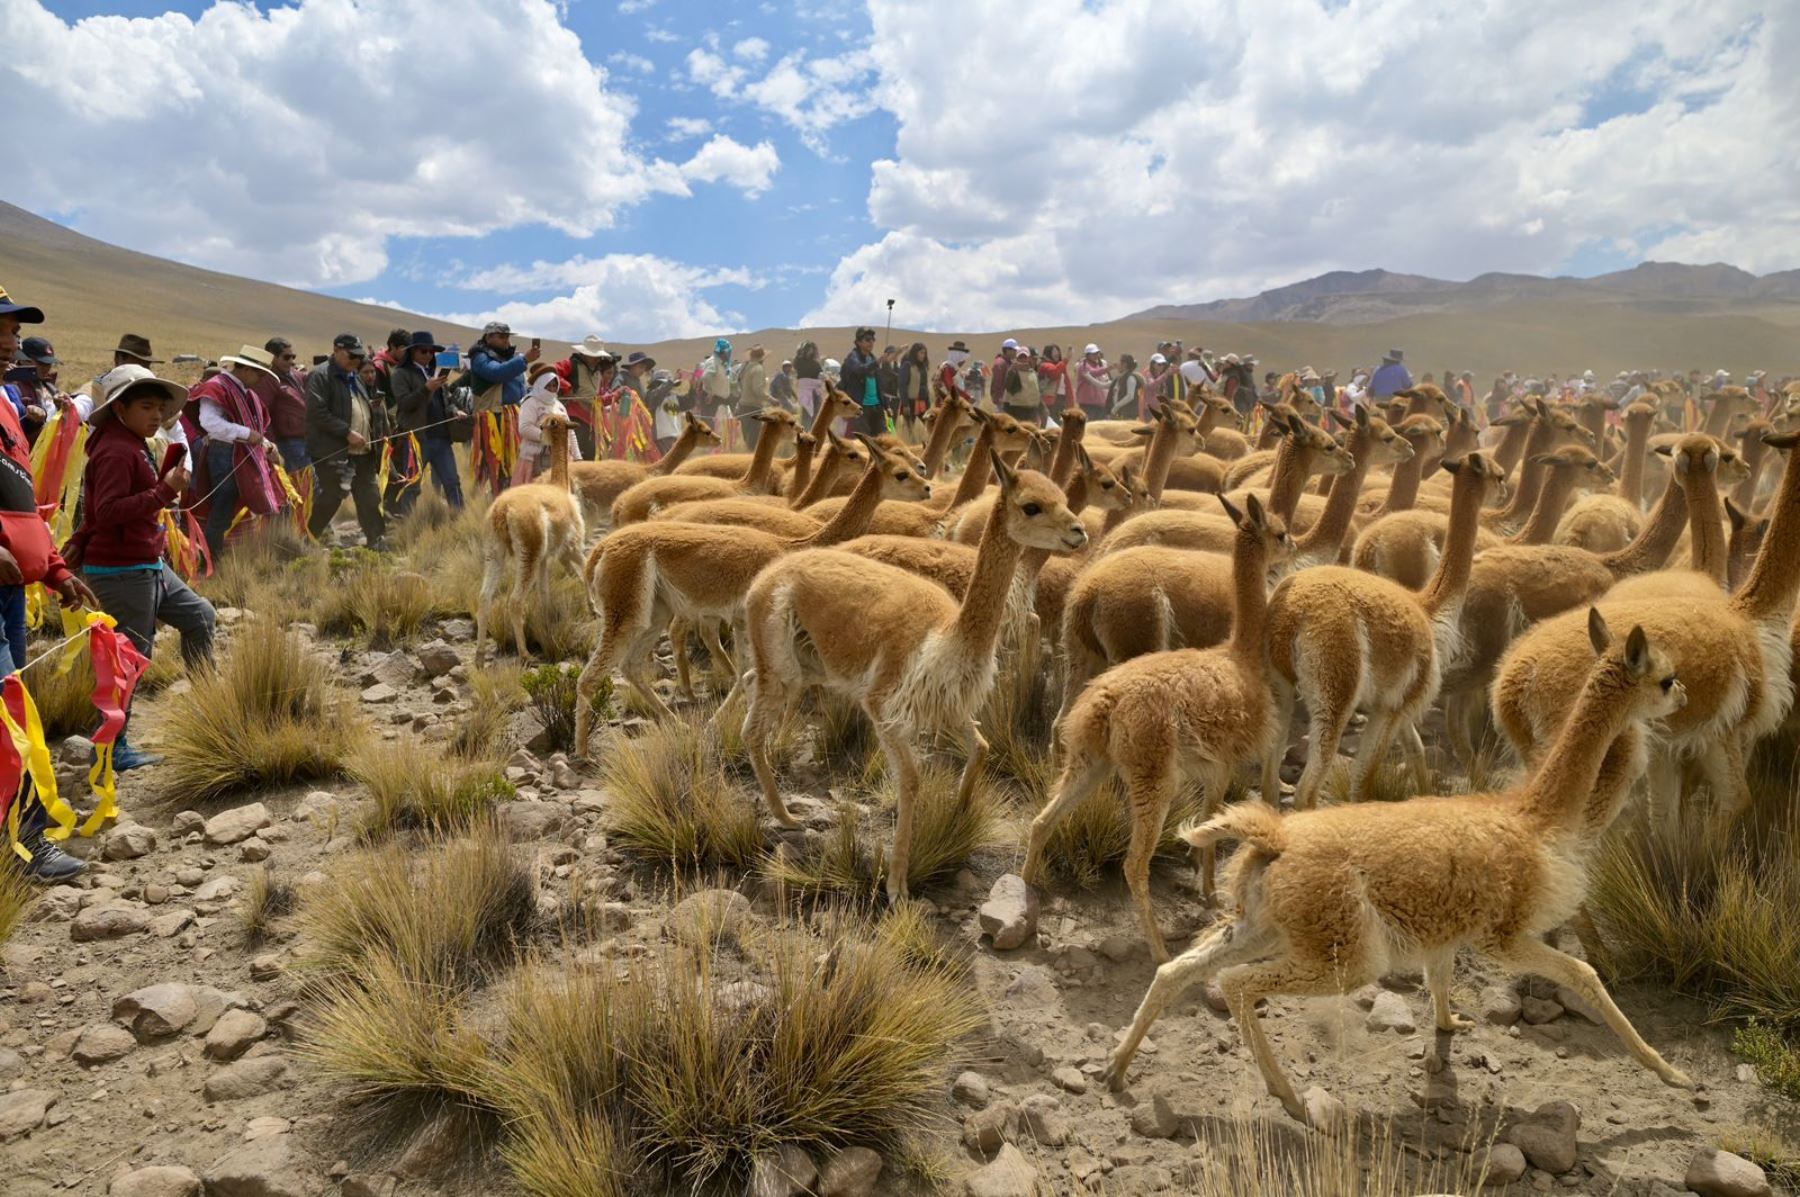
(171,470)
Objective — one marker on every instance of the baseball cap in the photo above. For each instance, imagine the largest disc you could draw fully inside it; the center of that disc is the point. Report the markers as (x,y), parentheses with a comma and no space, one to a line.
(26,313)
(349,341)
(40,351)
(496,326)
(1091,348)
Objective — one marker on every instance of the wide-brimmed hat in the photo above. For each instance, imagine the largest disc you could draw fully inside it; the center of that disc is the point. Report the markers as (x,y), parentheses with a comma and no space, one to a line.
(1157,359)
(250,355)
(121,380)
(422,339)
(590,346)
(1394,355)
(1308,374)
(40,351)
(957,347)
(639,358)
(1090,349)
(25,312)
(132,345)
(537,370)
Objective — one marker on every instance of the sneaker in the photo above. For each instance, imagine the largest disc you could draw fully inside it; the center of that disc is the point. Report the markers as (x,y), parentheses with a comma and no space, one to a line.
(48,863)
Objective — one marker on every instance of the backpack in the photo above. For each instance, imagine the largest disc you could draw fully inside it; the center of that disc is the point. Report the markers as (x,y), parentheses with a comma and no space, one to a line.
(452,398)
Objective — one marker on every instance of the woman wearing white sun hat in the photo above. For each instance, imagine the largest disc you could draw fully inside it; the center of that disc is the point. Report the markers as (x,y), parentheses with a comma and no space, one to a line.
(1093,379)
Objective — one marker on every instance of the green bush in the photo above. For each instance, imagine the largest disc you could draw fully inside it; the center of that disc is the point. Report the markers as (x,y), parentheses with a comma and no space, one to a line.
(552,691)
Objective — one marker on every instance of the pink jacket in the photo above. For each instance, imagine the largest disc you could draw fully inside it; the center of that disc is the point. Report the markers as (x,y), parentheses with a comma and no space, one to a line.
(1091,383)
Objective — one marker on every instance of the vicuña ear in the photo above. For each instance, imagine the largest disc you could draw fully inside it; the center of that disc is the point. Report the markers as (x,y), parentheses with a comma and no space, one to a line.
(1665,450)
(837,442)
(1340,419)
(1455,467)
(1237,517)
(1125,476)
(1782,440)
(1599,635)
(1254,509)
(1007,475)
(1362,416)
(864,438)
(1637,652)
(1546,459)
(1081,455)
(1144,430)
(980,416)
(1738,518)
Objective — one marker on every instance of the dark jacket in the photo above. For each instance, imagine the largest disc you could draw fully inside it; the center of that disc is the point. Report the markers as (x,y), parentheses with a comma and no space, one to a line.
(853,378)
(411,396)
(808,363)
(285,401)
(887,385)
(328,412)
(122,515)
(913,388)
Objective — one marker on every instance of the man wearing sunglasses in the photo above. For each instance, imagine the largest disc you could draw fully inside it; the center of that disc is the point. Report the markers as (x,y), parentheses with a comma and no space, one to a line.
(284,398)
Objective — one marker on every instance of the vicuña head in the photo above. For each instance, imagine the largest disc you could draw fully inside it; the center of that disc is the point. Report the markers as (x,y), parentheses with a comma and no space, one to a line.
(1035,510)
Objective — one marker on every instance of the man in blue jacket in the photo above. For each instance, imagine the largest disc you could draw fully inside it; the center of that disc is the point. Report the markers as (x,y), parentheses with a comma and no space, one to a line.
(1391,376)
(499,368)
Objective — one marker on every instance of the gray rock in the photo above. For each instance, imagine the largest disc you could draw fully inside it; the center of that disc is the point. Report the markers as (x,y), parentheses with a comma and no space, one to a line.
(458,629)
(1547,1137)
(971,1089)
(1500,1007)
(525,821)
(1505,1164)
(128,841)
(113,921)
(1041,1116)
(1155,1118)
(368,1184)
(1539,1011)
(1009,1174)
(1722,1174)
(986,1129)
(782,1173)
(22,1111)
(75,750)
(209,1004)
(239,823)
(233,1034)
(1069,1079)
(245,1079)
(254,850)
(380,692)
(264,1168)
(266,967)
(186,822)
(437,658)
(1323,1111)
(852,1172)
(171,922)
(162,1180)
(1389,1012)
(218,889)
(1010,913)
(156,1011)
(59,904)
(711,913)
(434,1148)
(102,1043)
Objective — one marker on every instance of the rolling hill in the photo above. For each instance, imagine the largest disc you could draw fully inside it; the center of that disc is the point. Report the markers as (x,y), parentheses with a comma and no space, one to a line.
(1658,315)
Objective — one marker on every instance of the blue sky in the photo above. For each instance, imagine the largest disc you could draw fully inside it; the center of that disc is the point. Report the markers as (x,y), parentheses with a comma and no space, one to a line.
(651,168)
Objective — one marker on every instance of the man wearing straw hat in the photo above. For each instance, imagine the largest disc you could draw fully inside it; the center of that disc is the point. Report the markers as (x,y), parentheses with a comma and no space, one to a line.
(232,468)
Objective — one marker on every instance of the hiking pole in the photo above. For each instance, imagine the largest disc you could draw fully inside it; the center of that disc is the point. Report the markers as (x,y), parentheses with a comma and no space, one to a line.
(890,325)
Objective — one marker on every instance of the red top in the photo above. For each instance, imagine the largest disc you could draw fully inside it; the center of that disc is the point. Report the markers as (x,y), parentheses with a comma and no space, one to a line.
(23,531)
(125,498)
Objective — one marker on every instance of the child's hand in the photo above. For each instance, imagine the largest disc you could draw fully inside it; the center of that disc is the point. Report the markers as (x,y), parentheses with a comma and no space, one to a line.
(177,479)
(76,593)
(9,570)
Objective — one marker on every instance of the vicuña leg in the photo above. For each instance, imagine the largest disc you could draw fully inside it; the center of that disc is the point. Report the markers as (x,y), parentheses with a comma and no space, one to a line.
(903,766)
(1725,777)
(769,704)
(1222,947)
(724,669)
(1245,985)
(1281,696)
(1377,738)
(1149,790)
(493,565)
(1215,780)
(1328,708)
(1080,778)
(1531,956)
(975,745)
(1439,968)
(678,644)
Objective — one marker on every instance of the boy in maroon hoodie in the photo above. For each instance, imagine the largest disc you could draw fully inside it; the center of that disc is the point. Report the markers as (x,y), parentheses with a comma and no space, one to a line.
(121,537)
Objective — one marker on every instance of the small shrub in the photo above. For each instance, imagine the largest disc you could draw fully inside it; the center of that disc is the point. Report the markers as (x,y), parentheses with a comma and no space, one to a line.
(853,860)
(843,740)
(673,803)
(1020,718)
(412,787)
(444,916)
(393,1043)
(674,1076)
(17,896)
(369,600)
(552,691)
(1775,1056)
(267,716)
(266,899)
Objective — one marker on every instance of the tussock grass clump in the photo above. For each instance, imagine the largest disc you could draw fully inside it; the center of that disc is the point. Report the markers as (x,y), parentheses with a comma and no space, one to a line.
(673,1077)
(258,567)
(430,513)
(852,859)
(62,685)
(415,787)
(495,691)
(394,1043)
(367,599)
(551,689)
(843,740)
(17,896)
(266,899)
(1255,1157)
(269,715)
(1776,1057)
(673,802)
(445,916)
(1020,718)
(1709,913)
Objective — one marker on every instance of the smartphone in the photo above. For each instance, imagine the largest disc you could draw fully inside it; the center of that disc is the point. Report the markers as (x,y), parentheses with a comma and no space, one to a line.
(537,342)
(174,455)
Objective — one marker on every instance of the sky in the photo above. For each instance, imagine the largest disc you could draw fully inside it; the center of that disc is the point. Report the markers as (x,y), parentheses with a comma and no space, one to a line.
(646,169)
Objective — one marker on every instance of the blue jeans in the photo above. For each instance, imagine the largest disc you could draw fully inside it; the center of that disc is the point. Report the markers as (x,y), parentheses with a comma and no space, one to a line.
(440,455)
(12,614)
(224,499)
(294,457)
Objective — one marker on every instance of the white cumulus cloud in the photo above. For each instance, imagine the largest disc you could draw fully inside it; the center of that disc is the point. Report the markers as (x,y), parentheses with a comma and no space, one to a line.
(723,160)
(630,298)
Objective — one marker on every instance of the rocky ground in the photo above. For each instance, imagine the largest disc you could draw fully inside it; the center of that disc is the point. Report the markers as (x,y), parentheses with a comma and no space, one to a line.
(145,1045)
